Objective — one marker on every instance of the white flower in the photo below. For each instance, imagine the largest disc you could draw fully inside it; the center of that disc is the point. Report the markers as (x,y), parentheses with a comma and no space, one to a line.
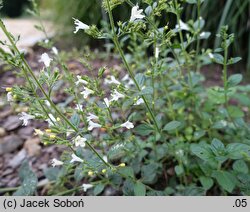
(80,80)
(182,26)
(54,50)
(128,125)
(93,125)
(105,158)
(25,118)
(80,141)
(91,116)
(45,59)
(139,102)
(56,162)
(47,103)
(75,159)
(202,34)
(112,80)
(106,102)
(179,152)
(9,97)
(136,13)
(69,132)
(116,95)
(86,92)
(211,55)
(46,41)
(78,107)
(38,132)
(86,187)
(157,52)
(125,78)
(51,120)
(80,25)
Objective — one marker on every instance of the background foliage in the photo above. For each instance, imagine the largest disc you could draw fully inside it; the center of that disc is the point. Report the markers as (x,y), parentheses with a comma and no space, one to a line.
(235,14)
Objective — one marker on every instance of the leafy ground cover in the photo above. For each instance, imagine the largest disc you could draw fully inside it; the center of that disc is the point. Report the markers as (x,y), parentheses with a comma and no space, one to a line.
(143,122)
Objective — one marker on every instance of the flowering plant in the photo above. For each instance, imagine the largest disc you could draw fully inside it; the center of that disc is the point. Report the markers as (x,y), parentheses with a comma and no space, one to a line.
(155,130)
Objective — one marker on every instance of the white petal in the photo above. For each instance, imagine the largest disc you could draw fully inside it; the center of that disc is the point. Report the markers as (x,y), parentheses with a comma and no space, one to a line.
(86,92)
(106,102)
(86,187)
(54,50)
(93,125)
(139,102)
(80,25)
(75,159)
(91,116)
(56,162)
(45,59)
(80,141)
(128,125)
(9,97)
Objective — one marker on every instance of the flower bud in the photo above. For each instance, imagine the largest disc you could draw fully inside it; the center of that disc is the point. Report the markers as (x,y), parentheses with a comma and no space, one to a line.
(90,173)
(8,89)
(122,165)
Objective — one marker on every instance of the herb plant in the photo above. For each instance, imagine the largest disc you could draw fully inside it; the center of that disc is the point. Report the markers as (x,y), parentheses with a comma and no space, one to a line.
(155,129)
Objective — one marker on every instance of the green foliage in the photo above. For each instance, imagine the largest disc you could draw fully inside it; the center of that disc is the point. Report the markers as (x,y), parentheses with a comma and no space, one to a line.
(156,129)
(29,181)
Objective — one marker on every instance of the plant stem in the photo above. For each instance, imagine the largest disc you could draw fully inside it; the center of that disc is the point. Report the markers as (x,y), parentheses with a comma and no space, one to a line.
(197,37)
(225,76)
(116,42)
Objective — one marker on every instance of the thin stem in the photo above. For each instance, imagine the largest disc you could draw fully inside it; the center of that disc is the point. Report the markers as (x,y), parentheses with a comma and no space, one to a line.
(197,37)
(116,42)
(225,76)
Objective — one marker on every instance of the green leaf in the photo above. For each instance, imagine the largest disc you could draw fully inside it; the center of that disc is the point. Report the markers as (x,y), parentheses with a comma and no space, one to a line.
(235,112)
(217,146)
(140,79)
(149,173)
(237,150)
(173,125)
(240,166)
(199,134)
(202,151)
(98,189)
(140,189)
(127,171)
(116,151)
(179,170)
(243,99)
(191,1)
(144,129)
(234,80)
(29,181)
(218,58)
(75,120)
(219,124)
(216,95)
(193,191)
(206,182)
(128,188)
(52,173)
(225,179)
(234,60)
(146,91)
(79,174)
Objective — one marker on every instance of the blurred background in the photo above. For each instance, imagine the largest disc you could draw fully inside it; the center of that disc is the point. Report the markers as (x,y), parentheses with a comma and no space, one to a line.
(235,14)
